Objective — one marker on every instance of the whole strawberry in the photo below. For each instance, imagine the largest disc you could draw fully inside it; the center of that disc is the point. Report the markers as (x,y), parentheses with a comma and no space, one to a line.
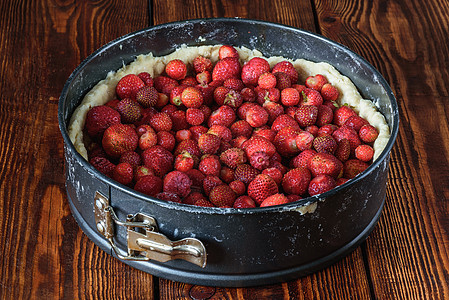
(353,167)
(222,195)
(276,199)
(177,182)
(245,173)
(342,113)
(225,68)
(303,159)
(128,86)
(227,51)
(256,116)
(311,97)
(192,97)
(130,111)
(244,202)
(233,157)
(325,143)
(150,185)
(159,159)
(306,115)
(296,181)
(118,139)
(123,173)
(316,82)
(284,121)
(103,165)
(201,64)
(253,69)
(329,92)
(210,165)
(147,96)
(224,115)
(320,184)
(325,163)
(287,68)
(161,122)
(261,187)
(349,134)
(364,152)
(209,143)
(176,69)
(99,118)
(285,141)
(368,133)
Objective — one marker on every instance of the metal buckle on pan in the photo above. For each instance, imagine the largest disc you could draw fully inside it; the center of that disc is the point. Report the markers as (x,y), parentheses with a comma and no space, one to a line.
(144,241)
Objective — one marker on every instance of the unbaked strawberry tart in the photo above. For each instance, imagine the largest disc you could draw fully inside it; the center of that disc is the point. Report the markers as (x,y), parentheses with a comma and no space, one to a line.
(224,126)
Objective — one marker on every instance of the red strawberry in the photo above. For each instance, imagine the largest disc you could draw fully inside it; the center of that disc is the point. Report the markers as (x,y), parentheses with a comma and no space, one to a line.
(221,131)
(353,167)
(201,64)
(311,97)
(226,174)
(293,198)
(194,116)
(245,173)
(283,81)
(329,92)
(233,157)
(244,202)
(210,182)
(313,129)
(172,197)
(112,103)
(161,122)
(284,121)
(183,134)
(248,94)
(256,116)
(274,173)
(197,131)
(166,140)
(146,78)
(296,181)
(190,146)
(342,113)
(364,153)
(259,143)
(261,187)
(131,157)
(321,184)
(193,197)
(192,97)
(175,95)
(327,129)
(130,111)
(222,195)
(287,68)
(177,182)
(234,84)
(99,118)
(241,127)
(276,199)
(165,84)
(238,187)
(368,133)
(227,51)
(274,110)
(220,94)
(224,115)
(304,140)
(267,80)
(203,78)
(325,115)
(325,163)
(306,115)
(303,159)
(349,134)
(128,86)
(259,160)
(147,96)
(184,162)
(123,173)
(325,143)
(316,82)
(267,133)
(204,203)
(189,81)
(341,181)
(150,185)
(233,98)
(103,165)
(285,141)
(264,95)
(343,150)
(176,69)
(179,120)
(290,97)
(162,100)
(197,178)
(209,143)
(226,68)
(355,122)
(118,139)
(253,69)
(159,159)
(210,165)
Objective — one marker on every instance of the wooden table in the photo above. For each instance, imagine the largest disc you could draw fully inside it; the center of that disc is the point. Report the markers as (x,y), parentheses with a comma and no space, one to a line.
(44,254)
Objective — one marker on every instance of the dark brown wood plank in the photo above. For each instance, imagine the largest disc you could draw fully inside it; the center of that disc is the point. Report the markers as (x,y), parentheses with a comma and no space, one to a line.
(407,42)
(44,254)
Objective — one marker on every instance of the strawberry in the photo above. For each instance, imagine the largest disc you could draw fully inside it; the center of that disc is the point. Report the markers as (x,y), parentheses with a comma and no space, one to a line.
(150,185)
(259,160)
(353,167)
(251,71)
(159,159)
(287,68)
(164,84)
(177,182)
(189,81)
(207,92)
(103,165)
(256,116)
(166,140)
(306,115)
(220,94)
(245,173)
(267,81)
(99,118)
(320,184)
(183,134)
(131,157)
(147,96)
(290,97)
(123,173)
(210,165)
(190,146)
(304,140)
(276,199)
(342,113)
(238,187)
(128,86)
(197,178)
(141,171)
(179,120)
(194,116)
(191,97)
(201,64)
(193,197)
(283,81)
(221,131)
(248,94)
(364,152)
(175,95)
(261,187)
(244,202)
(225,68)
(274,110)
(325,115)
(204,203)
(112,103)
(233,157)
(311,97)
(161,122)
(329,92)
(234,84)
(303,159)
(130,111)
(238,141)
(274,173)
(349,134)
(162,100)
(209,182)
(224,115)
(227,51)
(233,99)
(146,78)
(226,174)
(209,143)
(341,181)
(293,198)
(368,133)
(203,78)
(325,143)
(264,95)
(241,127)
(284,121)
(325,163)
(166,196)
(343,150)
(259,143)
(184,162)
(355,122)
(222,195)
(197,131)
(327,129)
(118,139)
(313,129)
(176,69)
(285,141)
(296,181)
(267,133)
(316,82)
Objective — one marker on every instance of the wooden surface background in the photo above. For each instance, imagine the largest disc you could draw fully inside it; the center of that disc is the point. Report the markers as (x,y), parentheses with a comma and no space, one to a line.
(44,254)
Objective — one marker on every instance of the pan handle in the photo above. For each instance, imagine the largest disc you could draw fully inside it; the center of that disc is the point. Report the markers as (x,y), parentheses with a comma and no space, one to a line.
(144,241)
